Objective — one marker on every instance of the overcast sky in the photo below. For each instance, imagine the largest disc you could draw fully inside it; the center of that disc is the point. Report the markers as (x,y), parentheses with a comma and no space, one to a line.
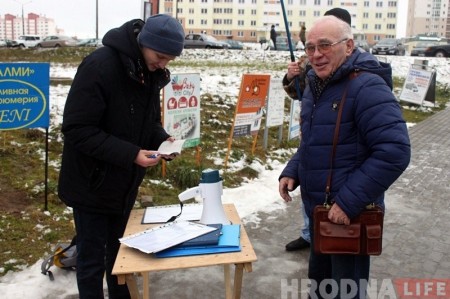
(77,17)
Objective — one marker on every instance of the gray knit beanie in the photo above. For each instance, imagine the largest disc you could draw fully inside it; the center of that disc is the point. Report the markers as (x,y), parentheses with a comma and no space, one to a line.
(163,34)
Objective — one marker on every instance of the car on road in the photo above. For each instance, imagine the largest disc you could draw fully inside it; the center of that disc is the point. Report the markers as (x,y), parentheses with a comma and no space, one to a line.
(389,46)
(419,48)
(362,44)
(27,41)
(203,41)
(282,44)
(56,41)
(442,50)
(234,44)
(86,42)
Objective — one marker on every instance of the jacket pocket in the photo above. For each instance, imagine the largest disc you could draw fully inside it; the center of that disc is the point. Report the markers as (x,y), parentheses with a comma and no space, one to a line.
(97,176)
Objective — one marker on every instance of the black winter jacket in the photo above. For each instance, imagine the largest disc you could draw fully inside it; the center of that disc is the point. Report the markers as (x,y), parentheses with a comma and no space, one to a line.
(112,111)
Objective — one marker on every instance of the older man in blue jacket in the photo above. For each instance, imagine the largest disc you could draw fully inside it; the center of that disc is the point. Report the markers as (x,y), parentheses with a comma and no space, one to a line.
(373,147)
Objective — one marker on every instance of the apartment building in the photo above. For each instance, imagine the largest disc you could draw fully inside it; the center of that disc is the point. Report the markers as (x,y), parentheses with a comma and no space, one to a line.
(428,17)
(250,20)
(11,27)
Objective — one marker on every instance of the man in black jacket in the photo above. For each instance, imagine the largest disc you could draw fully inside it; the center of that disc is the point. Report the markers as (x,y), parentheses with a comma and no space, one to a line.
(111,126)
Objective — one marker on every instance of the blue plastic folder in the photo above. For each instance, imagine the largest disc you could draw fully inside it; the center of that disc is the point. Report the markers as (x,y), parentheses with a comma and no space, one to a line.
(229,241)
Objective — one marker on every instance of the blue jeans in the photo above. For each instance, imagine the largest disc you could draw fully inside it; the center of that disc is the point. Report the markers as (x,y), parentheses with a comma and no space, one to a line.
(305,233)
(340,269)
(97,246)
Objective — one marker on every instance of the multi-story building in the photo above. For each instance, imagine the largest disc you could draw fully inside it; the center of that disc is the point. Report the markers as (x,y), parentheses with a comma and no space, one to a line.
(250,20)
(11,27)
(428,17)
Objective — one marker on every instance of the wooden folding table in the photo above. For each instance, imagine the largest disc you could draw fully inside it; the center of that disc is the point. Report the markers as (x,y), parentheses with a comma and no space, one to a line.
(131,262)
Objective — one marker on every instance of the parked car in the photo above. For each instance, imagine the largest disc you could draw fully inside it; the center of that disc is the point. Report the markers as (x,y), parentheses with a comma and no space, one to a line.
(389,46)
(419,48)
(203,41)
(85,42)
(282,44)
(442,50)
(3,43)
(362,44)
(10,43)
(234,44)
(57,41)
(28,41)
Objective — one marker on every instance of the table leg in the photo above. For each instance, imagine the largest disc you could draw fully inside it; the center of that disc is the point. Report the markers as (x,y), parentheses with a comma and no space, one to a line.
(238,274)
(228,286)
(132,286)
(145,286)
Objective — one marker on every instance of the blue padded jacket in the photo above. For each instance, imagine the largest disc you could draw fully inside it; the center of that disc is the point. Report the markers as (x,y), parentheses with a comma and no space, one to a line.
(373,147)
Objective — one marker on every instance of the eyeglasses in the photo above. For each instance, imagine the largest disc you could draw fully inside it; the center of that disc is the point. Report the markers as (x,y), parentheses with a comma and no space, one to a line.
(323,48)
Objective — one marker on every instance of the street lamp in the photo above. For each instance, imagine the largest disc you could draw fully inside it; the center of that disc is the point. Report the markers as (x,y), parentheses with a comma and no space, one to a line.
(23,17)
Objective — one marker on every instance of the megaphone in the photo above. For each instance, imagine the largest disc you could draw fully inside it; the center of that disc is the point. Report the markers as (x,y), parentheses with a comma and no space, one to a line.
(210,189)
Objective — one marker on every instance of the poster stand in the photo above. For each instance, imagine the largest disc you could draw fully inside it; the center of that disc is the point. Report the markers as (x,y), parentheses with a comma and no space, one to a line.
(420,84)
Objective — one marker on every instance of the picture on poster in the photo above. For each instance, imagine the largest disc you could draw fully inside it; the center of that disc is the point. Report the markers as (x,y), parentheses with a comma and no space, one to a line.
(182,108)
(416,86)
(251,102)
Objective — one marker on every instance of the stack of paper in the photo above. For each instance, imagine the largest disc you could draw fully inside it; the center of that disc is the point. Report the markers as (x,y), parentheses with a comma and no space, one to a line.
(229,241)
(165,236)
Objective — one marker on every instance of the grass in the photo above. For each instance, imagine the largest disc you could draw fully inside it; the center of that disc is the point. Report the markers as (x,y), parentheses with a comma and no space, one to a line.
(31,233)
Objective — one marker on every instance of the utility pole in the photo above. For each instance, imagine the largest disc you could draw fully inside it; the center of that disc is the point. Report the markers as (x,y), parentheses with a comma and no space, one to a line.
(96,19)
(23,15)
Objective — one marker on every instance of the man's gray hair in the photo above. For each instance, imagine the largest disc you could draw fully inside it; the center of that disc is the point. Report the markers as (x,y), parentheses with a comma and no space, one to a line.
(344,28)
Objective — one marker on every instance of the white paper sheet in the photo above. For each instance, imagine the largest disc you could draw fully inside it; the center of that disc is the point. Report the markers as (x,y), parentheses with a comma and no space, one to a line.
(160,214)
(165,236)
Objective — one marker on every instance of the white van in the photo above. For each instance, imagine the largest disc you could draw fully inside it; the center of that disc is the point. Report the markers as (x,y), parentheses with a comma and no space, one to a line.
(27,41)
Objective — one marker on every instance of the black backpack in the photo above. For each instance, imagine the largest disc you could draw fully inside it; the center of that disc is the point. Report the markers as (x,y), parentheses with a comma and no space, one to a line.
(64,256)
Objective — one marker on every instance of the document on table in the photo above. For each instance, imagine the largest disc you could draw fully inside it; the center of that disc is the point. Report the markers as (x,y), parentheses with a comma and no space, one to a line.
(160,214)
(165,236)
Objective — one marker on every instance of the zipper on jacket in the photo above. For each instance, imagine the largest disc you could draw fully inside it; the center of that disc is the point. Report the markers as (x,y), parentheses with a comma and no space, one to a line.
(132,118)
(140,71)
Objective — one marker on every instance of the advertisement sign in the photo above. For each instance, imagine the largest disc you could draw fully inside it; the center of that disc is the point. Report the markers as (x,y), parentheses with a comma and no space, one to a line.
(275,103)
(251,101)
(416,86)
(182,108)
(294,121)
(24,95)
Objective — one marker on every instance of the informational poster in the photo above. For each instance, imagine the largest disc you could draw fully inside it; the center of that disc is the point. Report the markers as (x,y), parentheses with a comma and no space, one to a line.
(294,121)
(251,101)
(24,95)
(182,108)
(275,103)
(416,85)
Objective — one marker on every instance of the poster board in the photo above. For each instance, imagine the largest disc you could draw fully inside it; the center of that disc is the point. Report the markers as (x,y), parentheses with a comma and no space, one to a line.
(182,108)
(251,101)
(294,120)
(275,103)
(24,95)
(416,86)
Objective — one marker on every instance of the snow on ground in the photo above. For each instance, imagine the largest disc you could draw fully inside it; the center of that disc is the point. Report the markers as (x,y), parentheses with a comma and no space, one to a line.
(30,283)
